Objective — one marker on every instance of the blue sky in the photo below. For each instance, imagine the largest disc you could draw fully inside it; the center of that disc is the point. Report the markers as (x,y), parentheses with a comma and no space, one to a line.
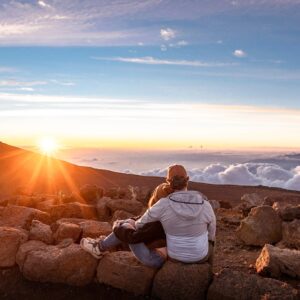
(224,53)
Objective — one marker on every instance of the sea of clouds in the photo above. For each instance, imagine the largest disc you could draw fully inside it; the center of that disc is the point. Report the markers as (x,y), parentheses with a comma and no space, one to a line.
(251,173)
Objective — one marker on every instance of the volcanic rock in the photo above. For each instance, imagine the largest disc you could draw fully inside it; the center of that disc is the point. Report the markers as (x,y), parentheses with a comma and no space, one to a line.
(70,265)
(20,216)
(121,215)
(67,231)
(291,234)
(131,206)
(286,211)
(236,285)
(103,212)
(91,193)
(40,232)
(275,262)
(248,202)
(261,227)
(10,240)
(123,271)
(94,229)
(180,281)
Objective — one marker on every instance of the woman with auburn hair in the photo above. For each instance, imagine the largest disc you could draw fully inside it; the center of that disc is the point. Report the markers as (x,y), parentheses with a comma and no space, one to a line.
(184,217)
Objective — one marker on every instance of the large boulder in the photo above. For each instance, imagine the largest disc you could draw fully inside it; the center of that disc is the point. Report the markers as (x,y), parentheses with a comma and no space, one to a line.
(287,199)
(123,271)
(20,216)
(121,215)
(91,193)
(46,204)
(131,206)
(94,229)
(286,211)
(72,210)
(43,263)
(236,285)
(291,234)
(67,231)
(275,262)
(103,212)
(10,241)
(248,202)
(262,226)
(40,232)
(182,281)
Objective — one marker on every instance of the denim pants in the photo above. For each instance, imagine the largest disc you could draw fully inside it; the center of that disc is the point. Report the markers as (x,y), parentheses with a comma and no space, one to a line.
(150,258)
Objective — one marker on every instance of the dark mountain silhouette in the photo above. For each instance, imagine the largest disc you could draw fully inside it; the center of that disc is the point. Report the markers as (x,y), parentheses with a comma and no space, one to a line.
(41,174)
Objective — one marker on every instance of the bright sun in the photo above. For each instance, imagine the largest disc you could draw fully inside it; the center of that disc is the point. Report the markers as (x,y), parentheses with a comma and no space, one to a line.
(48,146)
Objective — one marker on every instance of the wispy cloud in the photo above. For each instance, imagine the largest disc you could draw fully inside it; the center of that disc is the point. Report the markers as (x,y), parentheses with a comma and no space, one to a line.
(16,83)
(239,53)
(167,34)
(149,60)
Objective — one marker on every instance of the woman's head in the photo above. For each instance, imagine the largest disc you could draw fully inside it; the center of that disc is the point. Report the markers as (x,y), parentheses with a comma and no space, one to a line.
(161,191)
(177,177)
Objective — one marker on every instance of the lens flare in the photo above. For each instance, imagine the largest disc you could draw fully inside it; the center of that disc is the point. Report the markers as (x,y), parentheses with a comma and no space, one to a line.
(48,146)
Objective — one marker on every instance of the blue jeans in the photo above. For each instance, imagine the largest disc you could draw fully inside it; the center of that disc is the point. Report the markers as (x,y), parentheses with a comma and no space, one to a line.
(150,258)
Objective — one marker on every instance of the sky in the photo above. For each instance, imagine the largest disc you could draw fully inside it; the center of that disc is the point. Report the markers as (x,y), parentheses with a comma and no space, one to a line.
(152,74)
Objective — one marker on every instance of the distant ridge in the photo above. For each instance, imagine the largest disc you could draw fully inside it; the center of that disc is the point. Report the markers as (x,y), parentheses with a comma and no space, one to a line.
(42,174)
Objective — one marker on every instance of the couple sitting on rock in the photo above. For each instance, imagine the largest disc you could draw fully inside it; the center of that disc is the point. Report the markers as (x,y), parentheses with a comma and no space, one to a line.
(184,218)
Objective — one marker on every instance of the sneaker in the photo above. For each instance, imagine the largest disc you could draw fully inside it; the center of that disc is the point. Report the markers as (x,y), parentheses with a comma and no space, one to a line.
(92,246)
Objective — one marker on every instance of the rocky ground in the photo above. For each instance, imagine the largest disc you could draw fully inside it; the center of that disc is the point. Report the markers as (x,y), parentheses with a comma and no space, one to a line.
(256,255)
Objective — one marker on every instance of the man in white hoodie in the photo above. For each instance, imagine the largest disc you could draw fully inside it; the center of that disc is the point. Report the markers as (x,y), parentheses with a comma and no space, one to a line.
(188,221)
(187,218)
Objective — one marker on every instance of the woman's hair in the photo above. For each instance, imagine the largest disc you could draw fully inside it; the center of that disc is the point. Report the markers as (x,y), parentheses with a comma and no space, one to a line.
(161,191)
(178,182)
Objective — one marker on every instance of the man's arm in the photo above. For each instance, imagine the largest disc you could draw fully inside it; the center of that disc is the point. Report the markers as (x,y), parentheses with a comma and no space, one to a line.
(152,214)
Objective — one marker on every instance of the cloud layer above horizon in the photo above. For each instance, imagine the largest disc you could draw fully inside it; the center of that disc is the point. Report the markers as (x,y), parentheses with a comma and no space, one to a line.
(252,174)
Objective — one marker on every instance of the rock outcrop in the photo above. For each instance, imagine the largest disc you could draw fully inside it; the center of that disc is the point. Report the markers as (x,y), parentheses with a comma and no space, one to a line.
(40,232)
(262,226)
(20,216)
(122,270)
(286,211)
(44,263)
(275,262)
(291,234)
(248,202)
(10,241)
(67,231)
(131,206)
(94,229)
(236,285)
(180,281)
(103,212)
(91,193)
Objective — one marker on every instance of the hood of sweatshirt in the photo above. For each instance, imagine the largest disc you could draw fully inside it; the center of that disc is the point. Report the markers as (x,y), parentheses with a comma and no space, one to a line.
(187,204)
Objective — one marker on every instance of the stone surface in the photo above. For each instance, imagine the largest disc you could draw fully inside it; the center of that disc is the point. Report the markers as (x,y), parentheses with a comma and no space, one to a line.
(70,265)
(236,285)
(103,212)
(40,232)
(291,234)
(10,240)
(20,216)
(248,202)
(46,204)
(72,210)
(286,211)
(182,281)
(91,193)
(121,215)
(262,226)
(94,229)
(131,206)
(275,262)
(122,270)
(67,231)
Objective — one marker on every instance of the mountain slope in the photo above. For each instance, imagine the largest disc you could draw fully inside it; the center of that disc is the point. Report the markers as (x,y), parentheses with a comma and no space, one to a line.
(42,174)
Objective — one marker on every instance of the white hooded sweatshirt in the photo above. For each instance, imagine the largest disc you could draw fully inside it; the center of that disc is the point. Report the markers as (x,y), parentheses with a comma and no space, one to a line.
(189,222)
